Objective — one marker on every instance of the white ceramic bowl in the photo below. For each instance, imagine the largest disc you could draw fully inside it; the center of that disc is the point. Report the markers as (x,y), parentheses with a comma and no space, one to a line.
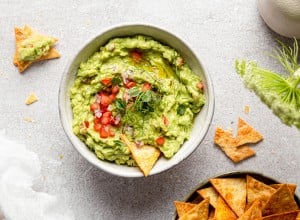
(202,120)
(282,16)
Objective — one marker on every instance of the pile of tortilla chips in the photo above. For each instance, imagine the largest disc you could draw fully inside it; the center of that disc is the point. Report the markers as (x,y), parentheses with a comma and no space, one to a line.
(235,148)
(22,35)
(241,198)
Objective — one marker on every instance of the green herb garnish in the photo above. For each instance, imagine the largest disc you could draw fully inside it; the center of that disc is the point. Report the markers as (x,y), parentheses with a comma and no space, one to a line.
(116,81)
(280,92)
(120,105)
(146,101)
(181,110)
(134,91)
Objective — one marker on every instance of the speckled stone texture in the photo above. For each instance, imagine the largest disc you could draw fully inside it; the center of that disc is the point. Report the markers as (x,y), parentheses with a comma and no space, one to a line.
(218,31)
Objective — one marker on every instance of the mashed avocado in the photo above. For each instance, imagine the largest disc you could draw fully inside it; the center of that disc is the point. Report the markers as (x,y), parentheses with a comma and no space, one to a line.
(138,87)
(35,47)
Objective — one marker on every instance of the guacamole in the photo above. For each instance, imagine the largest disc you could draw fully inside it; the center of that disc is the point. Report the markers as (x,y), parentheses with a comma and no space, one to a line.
(35,47)
(138,87)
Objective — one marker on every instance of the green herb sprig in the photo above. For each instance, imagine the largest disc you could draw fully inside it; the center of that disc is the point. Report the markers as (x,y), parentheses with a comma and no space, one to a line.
(280,92)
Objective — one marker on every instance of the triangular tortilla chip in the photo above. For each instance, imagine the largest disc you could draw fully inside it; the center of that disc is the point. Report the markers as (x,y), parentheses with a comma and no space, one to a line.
(291,186)
(238,154)
(253,212)
(23,34)
(145,156)
(282,216)
(223,211)
(298,216)
(246,134)
(199,212)
(210,193)
(225,140)
(280,201)
(183,207)
(258,190)
(233,191)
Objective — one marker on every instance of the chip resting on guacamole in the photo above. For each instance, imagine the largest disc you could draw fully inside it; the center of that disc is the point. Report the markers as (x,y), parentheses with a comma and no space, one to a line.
(137,87)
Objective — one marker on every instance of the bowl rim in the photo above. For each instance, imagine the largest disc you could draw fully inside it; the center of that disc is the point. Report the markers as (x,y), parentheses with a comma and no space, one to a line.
(63,90)
(229,174)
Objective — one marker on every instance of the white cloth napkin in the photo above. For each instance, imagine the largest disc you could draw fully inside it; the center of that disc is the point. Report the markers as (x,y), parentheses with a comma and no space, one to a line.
(19,167)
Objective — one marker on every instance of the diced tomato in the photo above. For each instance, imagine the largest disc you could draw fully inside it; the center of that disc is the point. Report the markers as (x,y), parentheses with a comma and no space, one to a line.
(103,108)
(107,114)
(136,56)
(97,127)
(130,84)
(104,131)
(106,82)
(146,86)
(200,85)
(165,120)
(97,120)
(105,99)
(160,141)
(105,120)
(86,124)
(112,97)
(94,106)
(115,89)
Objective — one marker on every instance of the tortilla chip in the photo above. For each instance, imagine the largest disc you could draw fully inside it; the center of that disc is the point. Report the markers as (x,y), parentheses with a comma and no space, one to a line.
(282,216)
(20,36)
(210,193)
(31,99)
(224,138)
(183,207)
(298,216)
(223,211)
(258,190)
(280,201)
(291,186)
(253,212)
(145,156)
(199,212)
(233,191)
(239,154)
(246,134)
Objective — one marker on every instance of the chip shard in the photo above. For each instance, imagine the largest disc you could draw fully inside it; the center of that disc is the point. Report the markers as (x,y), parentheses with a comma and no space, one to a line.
(31,98)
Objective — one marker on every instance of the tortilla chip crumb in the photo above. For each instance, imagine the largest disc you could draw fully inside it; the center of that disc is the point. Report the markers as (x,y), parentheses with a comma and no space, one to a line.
(31,99)
(28,119)
(247,109)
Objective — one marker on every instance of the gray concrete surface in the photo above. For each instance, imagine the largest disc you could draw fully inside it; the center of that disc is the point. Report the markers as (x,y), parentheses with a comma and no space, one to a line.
(219,31)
